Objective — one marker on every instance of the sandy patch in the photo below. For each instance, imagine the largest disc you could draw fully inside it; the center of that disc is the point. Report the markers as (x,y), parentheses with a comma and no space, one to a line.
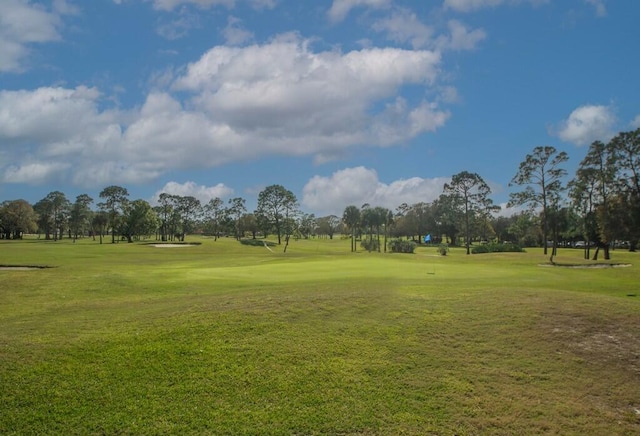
(171,245)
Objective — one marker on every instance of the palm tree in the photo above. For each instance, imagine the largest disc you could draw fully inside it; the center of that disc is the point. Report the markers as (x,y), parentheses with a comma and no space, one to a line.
(351,218)
(388,222)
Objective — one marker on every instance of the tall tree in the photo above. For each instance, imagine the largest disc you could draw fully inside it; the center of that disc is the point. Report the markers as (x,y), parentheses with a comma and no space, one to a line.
(306,225)
(597,172)
(328,225)
(582,192)
(351,219)
(471,194)
(248,223)
(369,220)
(17,217)
(448,217)
(115,201)
(99,223)
(277,205)
(524,227)
(235,210)
(80,217)
(214,216)
(52,213)
(189,209)
(387,221)
(541,174)
(626,148)
(165,210)
(138,220)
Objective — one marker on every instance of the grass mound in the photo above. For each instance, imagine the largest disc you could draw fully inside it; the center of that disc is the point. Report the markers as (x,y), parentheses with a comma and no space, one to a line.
(226,339)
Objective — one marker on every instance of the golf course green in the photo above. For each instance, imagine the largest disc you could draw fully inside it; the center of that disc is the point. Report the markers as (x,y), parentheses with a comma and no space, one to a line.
(224,338)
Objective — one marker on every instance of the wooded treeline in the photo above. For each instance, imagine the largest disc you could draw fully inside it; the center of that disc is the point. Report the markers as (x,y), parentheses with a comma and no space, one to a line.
(599,207)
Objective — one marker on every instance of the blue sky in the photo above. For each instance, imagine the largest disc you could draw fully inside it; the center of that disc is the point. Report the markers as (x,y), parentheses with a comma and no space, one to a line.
(342,102)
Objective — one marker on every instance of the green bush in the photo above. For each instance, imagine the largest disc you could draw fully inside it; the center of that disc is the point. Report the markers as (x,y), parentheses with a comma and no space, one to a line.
(370,244)
(443,249)
(257,242)
(400,246)
(494,247)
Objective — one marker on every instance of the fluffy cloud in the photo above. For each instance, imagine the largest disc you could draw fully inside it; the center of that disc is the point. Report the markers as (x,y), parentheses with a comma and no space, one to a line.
(34,173)
(341,8)
(55,116)
(460,38)
(587,124)
(284,93)
(356,186)
(202,193)
(472,5)
(21,25)
(279,98)
(169,5)
(179,26)
(635,124)
(234,33)
(403,26)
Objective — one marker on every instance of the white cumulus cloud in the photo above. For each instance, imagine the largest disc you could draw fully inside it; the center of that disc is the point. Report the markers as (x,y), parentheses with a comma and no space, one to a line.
(461,38)
(284,93)
(587,124)
(236,104)
(23,24)
(234,33)
(360,185)
(169,5)
(192,189)
(472,5)
(341,8)
(403,26)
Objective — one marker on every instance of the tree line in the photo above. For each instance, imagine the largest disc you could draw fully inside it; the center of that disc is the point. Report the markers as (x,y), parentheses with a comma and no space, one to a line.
(599,206)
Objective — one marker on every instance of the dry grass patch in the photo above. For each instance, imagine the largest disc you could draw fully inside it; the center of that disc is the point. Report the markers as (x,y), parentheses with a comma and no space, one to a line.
(607,345)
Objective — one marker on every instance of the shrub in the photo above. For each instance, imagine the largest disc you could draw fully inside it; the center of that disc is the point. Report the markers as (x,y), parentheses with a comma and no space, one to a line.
(257,242)
(370,244)
(443,249)
(400,246)
(494,247)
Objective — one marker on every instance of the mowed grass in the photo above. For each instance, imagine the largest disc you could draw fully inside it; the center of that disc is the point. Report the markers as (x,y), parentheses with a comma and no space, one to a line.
(222,338)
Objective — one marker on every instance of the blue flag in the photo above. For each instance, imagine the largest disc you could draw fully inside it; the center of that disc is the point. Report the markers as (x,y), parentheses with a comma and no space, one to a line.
(427,238)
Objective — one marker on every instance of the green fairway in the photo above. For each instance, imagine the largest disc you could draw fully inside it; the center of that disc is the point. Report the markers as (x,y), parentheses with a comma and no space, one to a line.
(224,338)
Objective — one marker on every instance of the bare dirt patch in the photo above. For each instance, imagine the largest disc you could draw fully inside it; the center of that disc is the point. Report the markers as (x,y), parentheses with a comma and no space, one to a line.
(612,341)
(609,344)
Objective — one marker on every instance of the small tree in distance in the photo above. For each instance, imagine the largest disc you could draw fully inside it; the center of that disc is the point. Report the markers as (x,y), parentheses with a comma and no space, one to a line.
(277,205)
(471,194)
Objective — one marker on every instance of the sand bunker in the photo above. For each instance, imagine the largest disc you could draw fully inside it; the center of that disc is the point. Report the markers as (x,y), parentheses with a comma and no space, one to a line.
(172,245)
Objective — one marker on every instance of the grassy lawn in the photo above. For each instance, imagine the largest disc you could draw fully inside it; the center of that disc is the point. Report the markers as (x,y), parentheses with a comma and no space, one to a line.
(223,338)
